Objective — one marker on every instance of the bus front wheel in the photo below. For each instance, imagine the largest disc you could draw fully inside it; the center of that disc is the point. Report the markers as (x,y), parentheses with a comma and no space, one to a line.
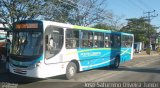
(71,70)
(116,63)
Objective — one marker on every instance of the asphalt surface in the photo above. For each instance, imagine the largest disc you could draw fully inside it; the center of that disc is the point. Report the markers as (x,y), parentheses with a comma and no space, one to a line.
(140,69)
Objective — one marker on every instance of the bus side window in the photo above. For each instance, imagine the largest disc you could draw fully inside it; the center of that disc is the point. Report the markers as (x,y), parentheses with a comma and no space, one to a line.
(90,39)
(116,41)
(86,39)
(107,42)
(72,38)
(95,40)
(46,42)
(126,41)
(84,35)
(98,39)
(101,39)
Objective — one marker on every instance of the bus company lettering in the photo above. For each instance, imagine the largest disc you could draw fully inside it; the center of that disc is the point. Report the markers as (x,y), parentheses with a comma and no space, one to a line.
(89,54)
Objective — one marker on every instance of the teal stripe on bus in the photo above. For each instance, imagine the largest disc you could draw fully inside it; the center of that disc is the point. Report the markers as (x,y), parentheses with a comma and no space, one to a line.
(92,29)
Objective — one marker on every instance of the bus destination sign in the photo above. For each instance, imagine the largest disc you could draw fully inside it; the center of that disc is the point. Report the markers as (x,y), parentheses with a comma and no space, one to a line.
(27,26)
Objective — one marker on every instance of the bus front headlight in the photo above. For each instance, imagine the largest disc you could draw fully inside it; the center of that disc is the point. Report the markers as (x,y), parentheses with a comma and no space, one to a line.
(38,64)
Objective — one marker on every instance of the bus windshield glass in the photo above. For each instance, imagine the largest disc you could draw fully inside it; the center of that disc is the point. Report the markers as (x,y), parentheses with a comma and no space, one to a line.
(27,43)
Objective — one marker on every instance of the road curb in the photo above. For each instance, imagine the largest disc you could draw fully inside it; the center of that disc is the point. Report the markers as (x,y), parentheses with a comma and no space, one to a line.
(145,55)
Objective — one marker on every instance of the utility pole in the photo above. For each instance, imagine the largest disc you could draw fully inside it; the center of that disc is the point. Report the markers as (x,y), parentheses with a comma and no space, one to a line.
(150,15)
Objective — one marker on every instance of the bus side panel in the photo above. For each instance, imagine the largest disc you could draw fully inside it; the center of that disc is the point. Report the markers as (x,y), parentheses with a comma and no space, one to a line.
(71,54)
(125,54)
(95,58)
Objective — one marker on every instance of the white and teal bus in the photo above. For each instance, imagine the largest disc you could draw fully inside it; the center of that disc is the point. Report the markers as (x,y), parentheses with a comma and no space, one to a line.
(43,49)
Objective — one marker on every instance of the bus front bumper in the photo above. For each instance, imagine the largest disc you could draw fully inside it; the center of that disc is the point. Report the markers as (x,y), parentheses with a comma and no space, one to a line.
(38,72)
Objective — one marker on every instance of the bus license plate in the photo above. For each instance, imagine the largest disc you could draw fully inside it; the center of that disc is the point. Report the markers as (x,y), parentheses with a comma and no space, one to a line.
(18,70)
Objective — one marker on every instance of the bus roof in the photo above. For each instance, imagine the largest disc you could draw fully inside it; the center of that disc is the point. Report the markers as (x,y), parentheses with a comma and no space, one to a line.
(100,30)
(73,26)
(58,24)
(90,28)
(82,27)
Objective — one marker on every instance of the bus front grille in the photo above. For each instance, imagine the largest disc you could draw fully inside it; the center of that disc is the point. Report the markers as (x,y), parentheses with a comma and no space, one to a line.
(20,71)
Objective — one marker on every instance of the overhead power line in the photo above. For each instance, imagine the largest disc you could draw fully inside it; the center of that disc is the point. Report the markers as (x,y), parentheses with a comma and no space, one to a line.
(144,4)
(136,5)
(150,15)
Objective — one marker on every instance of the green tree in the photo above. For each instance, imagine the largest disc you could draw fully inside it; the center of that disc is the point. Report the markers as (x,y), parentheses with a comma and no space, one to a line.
(60,10)
(15,10)
(102,26)
(140,28)
(92,12)
(78,12)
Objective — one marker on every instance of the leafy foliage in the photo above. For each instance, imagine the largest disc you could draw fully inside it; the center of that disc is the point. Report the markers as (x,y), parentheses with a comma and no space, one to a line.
(148,50)
(59,10)
(102,26)
(140,28)
(78,12)
(15,10)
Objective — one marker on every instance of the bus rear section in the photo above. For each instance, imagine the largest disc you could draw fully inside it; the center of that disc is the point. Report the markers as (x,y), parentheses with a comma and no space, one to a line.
(93,49)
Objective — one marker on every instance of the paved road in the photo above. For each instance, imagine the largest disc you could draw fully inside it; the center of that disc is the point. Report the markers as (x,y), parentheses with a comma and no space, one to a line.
(140,69)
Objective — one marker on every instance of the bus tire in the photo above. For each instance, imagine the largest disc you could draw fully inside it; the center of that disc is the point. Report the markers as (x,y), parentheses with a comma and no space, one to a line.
(71,70)
(116,63)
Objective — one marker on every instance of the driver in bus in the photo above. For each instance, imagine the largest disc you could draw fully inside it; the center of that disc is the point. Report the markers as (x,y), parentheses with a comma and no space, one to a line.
(52,45)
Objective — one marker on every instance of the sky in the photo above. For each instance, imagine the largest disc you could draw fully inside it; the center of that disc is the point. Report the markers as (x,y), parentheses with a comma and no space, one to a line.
(135,9)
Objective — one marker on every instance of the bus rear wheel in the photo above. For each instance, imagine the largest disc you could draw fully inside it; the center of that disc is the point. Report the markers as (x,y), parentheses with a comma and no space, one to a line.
(71,70)
(116,63)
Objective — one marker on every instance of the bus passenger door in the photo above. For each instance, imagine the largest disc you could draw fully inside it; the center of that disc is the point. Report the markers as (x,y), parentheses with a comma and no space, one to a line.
(115,47)
(53,44)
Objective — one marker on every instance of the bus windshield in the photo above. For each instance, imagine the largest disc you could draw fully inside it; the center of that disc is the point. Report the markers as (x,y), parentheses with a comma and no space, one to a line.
(27,43)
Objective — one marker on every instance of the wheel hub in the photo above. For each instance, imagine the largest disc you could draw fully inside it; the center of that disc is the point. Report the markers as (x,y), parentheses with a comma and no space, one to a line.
(72,71)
